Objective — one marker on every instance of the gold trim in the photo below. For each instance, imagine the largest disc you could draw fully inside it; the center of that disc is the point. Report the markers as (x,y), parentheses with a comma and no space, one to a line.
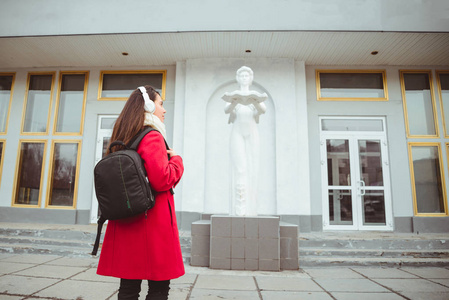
(2,156)
(100,85)
(440,94)
(13,74)
(412,176)
(53,74)
(404,103)
(19,167)
(318,85)
(58,97)
(50,174)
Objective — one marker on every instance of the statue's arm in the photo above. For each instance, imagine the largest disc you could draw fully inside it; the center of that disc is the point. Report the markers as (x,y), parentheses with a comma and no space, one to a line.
(230,107)
(260,107)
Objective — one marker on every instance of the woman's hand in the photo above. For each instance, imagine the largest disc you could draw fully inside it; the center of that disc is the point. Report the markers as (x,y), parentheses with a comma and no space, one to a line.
(171,152)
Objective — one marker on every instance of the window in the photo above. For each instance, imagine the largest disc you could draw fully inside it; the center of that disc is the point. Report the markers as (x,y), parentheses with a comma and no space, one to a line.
(29,173)
(443,91)
(118,85)
(38,103)
(71,103)
(6,88)
(351,85)
(427,179)
(2,147)
(63,175)
(419,104)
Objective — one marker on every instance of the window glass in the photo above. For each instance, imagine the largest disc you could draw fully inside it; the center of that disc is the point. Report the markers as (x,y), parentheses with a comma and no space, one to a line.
(5,98)
(31,161)
(70,104)
(340,207)
(371,162)
(338,168)
(428,179)
(347,85)
(122,85)
(38,103)
(1,158)
(63,174)
(108,123)
(419,103)
(351,125)
(443,79)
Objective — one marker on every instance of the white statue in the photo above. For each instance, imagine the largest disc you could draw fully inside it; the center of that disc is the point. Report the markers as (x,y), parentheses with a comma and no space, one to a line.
(244,108)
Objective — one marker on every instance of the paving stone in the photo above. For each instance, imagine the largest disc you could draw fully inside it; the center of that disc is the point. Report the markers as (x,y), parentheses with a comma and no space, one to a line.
(74,262)
(51,271)
(426,296)
(6,297)
(332,273)
(31,258)
(187,278)
(91,275)
(8,267)
(367,296)
(412,285)
(429,272)
(225,282)
(444,282)
(28,285)
(178,291)
(350,285)
(277,295)
(5,255)
(287,284)
(210,294)
(384,273)
(72,289)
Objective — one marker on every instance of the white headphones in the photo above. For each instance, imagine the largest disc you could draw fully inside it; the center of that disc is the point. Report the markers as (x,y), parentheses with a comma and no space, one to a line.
(149,105)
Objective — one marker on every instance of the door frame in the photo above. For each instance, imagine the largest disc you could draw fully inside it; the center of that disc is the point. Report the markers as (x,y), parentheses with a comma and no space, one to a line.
(355,187)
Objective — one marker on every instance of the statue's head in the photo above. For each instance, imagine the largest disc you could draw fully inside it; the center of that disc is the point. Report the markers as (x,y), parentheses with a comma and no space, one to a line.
(245,76)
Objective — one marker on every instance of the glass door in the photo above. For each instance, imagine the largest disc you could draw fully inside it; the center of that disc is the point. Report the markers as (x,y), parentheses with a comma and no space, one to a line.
(355,176)
(104,133)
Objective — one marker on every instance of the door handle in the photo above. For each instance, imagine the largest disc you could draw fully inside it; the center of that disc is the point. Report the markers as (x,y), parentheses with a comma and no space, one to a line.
(362,188)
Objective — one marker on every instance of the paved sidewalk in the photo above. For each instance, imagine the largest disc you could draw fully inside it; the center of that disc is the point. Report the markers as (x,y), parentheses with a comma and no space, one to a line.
(25,276)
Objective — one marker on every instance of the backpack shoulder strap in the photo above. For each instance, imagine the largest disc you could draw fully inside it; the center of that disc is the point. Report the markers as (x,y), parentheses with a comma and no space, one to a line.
(100,222)
(136,140)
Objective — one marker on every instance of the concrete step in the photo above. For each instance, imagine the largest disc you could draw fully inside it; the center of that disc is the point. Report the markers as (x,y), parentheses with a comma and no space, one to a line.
(380,244)
(345,261)
(390,253)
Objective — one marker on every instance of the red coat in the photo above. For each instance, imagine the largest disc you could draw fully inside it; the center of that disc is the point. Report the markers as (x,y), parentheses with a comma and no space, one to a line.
(147,247)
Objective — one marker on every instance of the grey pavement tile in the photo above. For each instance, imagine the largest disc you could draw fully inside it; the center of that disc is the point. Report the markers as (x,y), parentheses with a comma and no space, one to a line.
(31,258)
(74,262)
(187,278)
(178,291)
(7,297)
(412,285)
(51,271)
(332,273)
(367,296)
(21,285)
(7,267)
(204,294)
(287,284)
(5,255)
(426,296)
(225,282)
(444,282)
(276,295)
(91,275)
(429,272)
(72,289)
(384,273)
(350,285)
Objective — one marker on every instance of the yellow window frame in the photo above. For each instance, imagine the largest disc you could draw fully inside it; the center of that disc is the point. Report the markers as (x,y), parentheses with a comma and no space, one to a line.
(404,103)
(102,73)
(19,167)
(58,98)
(412,176)
(440,94)
(50,174)
(10,99)
(3,142)
(53,74)
(318,85)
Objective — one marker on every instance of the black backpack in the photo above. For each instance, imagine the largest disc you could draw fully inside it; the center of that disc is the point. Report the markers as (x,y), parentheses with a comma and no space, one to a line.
(121,184)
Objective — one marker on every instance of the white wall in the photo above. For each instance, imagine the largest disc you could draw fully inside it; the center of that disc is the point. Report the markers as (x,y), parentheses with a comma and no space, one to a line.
(203,82)
(57,17)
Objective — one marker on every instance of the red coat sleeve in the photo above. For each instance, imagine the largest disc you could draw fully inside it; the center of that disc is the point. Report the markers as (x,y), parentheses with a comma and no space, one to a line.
(163,174)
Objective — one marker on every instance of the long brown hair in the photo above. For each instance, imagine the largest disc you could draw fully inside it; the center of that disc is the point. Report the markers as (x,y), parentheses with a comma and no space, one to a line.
(130,121)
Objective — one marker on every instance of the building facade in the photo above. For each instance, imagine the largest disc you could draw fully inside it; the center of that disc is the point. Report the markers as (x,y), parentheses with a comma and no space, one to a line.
(355,137)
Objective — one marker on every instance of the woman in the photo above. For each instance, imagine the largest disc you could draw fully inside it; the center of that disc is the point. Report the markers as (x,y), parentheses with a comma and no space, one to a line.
(146,246)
